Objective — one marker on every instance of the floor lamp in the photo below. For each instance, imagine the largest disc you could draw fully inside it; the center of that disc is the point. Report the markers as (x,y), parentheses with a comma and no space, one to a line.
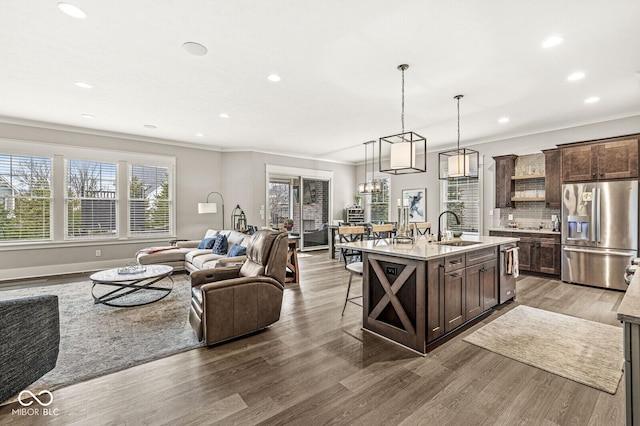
(209,207)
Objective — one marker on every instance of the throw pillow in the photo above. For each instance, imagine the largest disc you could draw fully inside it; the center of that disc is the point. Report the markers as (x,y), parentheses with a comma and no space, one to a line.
(220,244)
(237,250)
(207,243)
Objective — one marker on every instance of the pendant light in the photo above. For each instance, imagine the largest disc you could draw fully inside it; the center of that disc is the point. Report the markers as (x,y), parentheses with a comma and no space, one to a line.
(403,147)
(458,163)
(372,186)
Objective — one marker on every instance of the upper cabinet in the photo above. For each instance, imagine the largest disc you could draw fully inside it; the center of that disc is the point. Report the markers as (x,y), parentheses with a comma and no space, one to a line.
(505,187)
(617,159)
(553,189)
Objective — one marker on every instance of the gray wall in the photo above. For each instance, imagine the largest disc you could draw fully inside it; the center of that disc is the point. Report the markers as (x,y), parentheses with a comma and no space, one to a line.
(239,176)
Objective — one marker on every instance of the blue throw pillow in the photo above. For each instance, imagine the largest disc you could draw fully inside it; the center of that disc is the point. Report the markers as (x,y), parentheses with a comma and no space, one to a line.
(207,243)
(237,250)
(220,244)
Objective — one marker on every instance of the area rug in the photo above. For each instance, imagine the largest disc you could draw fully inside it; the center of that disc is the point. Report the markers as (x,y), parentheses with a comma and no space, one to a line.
(584,351)
(98,339)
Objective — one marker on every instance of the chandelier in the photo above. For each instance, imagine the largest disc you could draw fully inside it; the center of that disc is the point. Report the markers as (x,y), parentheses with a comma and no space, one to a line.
(458,163)
(372,186)
(403,146)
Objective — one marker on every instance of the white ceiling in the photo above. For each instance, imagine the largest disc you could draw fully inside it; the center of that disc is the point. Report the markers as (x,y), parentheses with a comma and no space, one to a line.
(337,59)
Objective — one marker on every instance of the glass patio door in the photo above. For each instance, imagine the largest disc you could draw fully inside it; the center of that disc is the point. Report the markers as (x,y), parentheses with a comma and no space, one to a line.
(313,212)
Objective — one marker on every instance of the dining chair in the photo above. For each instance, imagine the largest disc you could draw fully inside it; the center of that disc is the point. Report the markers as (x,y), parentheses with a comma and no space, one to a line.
(420,228)
(382,231)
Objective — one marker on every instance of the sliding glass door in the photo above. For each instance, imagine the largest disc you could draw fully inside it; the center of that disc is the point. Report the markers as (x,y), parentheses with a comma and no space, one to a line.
(301,205)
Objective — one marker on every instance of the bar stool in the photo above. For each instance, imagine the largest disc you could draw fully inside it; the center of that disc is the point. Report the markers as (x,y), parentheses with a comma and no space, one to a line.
(352,258)
(382,231)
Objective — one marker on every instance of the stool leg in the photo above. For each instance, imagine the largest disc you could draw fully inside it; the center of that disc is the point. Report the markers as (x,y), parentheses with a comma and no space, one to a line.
(347,297)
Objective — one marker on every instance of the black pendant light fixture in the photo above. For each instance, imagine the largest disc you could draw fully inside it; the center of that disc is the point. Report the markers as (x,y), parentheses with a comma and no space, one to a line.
(403,147)
(372,186)
(458,163)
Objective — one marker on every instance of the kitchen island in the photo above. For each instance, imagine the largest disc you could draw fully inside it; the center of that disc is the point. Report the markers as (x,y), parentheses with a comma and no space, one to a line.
(418,294)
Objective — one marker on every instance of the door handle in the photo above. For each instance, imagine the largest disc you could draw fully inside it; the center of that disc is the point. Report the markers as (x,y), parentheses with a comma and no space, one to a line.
(604,253)
(455,275)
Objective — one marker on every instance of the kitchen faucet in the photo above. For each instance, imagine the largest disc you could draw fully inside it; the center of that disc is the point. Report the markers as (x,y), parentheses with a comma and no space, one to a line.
(440,221)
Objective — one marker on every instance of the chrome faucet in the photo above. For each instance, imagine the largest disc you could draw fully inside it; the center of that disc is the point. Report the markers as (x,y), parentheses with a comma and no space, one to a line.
(440,221)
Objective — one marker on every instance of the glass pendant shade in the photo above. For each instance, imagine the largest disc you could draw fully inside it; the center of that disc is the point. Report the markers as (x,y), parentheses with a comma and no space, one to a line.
(403,155)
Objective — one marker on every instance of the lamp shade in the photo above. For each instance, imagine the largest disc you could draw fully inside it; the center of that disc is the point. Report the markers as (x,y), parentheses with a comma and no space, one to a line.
(204,208)
(458,165)
(403,155)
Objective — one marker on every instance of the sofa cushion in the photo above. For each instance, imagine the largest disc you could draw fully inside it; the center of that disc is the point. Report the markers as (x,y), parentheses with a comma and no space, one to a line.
(220,245)
(210,233)
(198,262)
(163,256)
(194,253)
(207,243)
(237,250)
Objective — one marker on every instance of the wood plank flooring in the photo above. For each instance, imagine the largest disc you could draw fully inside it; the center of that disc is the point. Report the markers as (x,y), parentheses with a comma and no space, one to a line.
(316,367)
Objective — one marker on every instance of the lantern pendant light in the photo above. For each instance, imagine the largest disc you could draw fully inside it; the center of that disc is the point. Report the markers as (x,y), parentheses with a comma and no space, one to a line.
(458,163)
(403,147)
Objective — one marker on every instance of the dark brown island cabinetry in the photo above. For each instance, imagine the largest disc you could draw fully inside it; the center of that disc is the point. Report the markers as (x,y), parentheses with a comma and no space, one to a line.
(505,186)
(602,160)
(538,253)
(460,288)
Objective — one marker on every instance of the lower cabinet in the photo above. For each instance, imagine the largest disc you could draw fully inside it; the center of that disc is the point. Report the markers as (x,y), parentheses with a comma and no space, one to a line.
(538,252)
(459,291)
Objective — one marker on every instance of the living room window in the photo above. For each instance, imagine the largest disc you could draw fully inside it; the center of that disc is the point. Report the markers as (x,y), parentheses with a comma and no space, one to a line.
(150,203)
(91,199)
(25,198)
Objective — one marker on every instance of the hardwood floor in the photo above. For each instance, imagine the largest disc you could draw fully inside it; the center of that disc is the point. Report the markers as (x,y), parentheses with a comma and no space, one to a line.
(316,367)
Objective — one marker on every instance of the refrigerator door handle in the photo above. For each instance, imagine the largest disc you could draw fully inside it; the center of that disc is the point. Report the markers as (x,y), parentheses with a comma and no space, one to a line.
(611,253)
(594,222)
(598,211)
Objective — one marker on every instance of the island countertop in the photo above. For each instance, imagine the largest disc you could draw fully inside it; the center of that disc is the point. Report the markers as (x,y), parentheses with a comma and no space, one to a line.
(629,310)
(421,249)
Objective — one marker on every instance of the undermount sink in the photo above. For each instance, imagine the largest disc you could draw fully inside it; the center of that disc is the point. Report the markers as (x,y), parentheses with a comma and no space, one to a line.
(458,243)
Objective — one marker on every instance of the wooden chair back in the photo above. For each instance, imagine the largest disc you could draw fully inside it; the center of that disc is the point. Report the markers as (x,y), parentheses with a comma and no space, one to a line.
(421,228)
(350,234)
(382,231)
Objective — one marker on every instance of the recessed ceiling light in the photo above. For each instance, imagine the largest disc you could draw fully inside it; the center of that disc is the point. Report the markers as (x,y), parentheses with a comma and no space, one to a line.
(88,116)
(552,41)
(224,115)
(592,100)
(150,126)
(503,120)
(274,78)
(83,84)
(71,10)
(194,48)
(199,135)
(578,75)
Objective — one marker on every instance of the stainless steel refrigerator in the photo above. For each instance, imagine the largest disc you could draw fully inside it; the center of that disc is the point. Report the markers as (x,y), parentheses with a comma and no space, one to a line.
(599,232)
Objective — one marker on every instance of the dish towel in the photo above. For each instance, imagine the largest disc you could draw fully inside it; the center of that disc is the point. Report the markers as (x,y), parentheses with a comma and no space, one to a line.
(511,260)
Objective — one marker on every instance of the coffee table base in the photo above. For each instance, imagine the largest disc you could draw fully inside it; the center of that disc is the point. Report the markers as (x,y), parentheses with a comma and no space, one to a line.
(125,288)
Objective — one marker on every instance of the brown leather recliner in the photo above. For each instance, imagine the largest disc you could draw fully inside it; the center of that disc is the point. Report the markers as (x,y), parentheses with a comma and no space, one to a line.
(232,301)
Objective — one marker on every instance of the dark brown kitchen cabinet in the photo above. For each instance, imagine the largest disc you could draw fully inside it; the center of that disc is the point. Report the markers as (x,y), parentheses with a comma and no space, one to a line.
(481,288)
(616,159)
(505,186)
(454,299)
(552,185)
(537,252)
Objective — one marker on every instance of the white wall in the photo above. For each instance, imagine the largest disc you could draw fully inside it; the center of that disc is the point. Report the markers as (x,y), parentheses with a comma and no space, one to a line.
(519,146)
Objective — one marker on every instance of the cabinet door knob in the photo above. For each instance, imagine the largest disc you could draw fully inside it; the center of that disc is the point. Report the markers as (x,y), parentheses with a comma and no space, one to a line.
(601,174)
(593,175)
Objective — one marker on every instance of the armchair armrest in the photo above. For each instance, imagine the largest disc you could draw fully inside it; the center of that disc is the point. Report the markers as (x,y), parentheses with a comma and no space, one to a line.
(213,275)
(261,279)
(231,261)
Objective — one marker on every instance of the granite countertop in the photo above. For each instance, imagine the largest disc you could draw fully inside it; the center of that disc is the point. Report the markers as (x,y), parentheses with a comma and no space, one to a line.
(528,231)
(629,310)
(423,250)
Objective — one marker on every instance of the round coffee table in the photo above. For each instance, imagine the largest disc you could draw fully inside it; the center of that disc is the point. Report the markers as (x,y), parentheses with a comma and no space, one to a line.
(132,285)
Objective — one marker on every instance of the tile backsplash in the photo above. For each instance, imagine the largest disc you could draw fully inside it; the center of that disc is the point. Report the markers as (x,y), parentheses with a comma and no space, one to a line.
(528,214)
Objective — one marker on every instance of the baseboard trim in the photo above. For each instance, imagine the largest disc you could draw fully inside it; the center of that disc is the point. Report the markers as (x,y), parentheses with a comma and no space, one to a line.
(66,268)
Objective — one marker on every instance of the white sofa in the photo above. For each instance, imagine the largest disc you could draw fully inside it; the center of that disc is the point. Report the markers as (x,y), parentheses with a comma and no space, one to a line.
(186,255)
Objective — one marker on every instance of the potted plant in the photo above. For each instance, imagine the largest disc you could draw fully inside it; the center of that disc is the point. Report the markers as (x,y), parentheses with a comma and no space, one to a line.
(356,199)
(288,224)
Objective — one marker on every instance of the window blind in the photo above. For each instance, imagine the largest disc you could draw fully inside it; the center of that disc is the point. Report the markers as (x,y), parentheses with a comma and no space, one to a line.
(25,198)
(150,202)
(463,198)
